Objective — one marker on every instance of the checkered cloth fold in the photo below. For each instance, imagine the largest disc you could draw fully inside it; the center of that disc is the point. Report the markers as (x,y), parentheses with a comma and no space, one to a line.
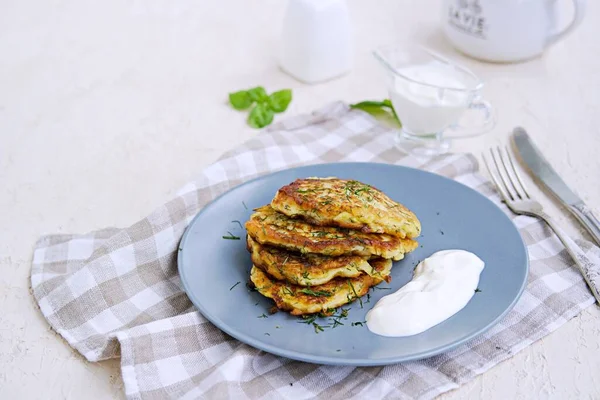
(116,291)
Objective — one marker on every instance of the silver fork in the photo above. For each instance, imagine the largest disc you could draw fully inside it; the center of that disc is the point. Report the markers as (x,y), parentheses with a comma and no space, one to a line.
(516,196)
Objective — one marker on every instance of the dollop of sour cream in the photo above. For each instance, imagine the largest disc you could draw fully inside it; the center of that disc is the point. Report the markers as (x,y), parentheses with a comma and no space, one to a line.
(442,285)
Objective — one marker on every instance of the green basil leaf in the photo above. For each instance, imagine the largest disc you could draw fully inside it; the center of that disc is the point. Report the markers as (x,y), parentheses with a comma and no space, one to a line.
(389,104)
(369,104)
(260,116)
(374,110)
(240,100)
(379,109)
(280,100)
(258,94)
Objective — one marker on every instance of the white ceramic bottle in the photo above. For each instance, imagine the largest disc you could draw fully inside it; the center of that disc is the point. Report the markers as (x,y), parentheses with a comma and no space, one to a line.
(316,40)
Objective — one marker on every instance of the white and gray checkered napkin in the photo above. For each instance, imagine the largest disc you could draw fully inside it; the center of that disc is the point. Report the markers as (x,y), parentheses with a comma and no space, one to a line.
(116,291)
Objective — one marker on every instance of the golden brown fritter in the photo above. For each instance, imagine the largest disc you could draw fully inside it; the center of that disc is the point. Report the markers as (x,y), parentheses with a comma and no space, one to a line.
(346,203)
(268,226)
(306,269)
(299,300)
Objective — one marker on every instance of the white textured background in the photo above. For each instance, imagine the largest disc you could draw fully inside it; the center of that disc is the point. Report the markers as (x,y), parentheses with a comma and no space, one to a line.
(108,107)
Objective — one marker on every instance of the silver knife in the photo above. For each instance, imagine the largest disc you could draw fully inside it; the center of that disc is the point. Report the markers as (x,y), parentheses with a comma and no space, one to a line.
(543,171)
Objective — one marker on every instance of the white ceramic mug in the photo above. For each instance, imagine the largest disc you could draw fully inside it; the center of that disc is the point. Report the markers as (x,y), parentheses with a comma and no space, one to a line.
(505,30)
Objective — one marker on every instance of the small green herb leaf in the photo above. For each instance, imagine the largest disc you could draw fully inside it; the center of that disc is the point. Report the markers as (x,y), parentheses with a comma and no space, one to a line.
(265,106)
(231,236)
(381,109)
(234,285)
(318,328)
(280,100)
(238,222)
(355,294)
(317,293)
(288,291)
(258,94)
(477,290)
(369,103)
(260,116)
(240,100)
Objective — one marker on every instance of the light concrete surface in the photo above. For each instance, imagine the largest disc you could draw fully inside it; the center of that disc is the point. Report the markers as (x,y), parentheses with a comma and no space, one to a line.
(108,107)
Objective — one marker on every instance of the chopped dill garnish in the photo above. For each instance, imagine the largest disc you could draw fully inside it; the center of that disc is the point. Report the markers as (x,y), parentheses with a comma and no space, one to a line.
(305,275)
(308,319)
(231,236)
(477,290)
(374,272)
(263,316)
(355,294)
(335,320)
(267,334)
(238,282)
(288,291)
(244,205)
(237,222)
(358,323)
(318,293)
(338,350)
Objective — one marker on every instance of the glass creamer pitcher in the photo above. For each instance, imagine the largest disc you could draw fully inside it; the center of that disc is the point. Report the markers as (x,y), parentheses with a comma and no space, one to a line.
(431,96)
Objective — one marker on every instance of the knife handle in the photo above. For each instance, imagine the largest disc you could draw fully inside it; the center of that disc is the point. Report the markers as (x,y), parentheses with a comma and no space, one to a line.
(588,266)
(587,219)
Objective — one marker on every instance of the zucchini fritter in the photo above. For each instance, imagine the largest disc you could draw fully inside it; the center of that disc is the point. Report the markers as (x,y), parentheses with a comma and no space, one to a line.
(306,269)
(346,203)
(299,300)
(268,226)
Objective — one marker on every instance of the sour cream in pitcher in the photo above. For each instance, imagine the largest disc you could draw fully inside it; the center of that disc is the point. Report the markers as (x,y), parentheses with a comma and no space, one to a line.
(428,97)
(441,286)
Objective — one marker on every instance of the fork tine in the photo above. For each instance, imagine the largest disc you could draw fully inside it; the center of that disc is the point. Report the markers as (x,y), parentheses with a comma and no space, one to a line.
(509,177)
(499,187)
(517,174)
(511,194)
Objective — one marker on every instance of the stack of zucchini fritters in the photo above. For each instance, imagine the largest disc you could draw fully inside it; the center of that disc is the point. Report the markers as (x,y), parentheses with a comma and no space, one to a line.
(324,242)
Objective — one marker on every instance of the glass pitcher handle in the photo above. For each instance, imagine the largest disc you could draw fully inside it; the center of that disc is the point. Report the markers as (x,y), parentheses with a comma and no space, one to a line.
(489,121)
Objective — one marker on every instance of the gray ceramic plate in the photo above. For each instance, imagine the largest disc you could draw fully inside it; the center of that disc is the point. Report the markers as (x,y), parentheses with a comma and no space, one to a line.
(452,216)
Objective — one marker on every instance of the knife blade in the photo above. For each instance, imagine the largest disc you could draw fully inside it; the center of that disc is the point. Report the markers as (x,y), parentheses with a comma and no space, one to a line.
(542,170)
